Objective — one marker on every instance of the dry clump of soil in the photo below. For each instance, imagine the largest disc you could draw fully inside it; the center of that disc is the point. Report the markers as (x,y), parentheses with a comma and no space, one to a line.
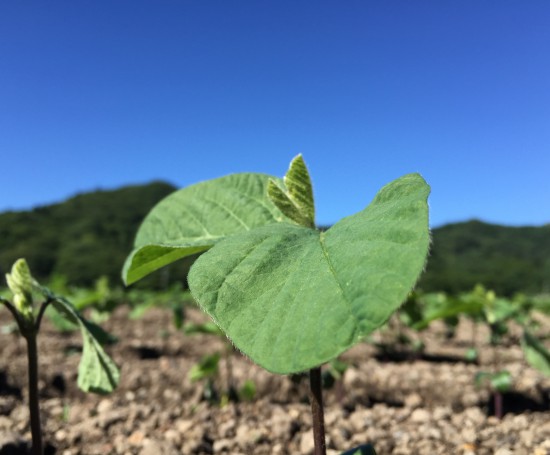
(403,404)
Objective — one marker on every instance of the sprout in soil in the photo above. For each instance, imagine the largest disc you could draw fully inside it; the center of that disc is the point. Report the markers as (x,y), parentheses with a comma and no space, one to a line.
(96,373)
(496,313)
(289,296)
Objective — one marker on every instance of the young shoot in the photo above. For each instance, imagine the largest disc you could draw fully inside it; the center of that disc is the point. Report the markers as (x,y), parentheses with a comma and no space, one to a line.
(289,296)
(96,373)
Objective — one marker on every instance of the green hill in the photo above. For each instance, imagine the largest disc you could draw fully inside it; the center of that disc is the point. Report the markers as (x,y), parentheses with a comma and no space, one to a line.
(87,236)
(506,259)
(90,235)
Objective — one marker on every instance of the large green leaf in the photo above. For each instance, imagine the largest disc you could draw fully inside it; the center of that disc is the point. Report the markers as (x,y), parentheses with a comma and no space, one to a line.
(194,218)
(292,298)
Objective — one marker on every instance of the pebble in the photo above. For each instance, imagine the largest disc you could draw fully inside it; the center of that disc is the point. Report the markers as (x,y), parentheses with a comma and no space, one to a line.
(413,400)
(306,442)
(154,447)
(163,414)
(420,415)
(221,445)
(504,451)
(60,435)
(469,435)
(104,406)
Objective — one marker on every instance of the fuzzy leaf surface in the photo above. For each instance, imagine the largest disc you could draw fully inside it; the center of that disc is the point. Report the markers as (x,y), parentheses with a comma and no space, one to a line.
(293,298)
(194,218)
(296,199)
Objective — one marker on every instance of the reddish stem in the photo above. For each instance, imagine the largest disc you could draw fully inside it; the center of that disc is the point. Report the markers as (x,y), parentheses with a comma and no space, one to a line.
(316,398)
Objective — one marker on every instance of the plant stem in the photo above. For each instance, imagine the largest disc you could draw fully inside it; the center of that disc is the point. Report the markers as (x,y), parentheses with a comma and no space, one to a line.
(34,408)
(497,402)
(316,399)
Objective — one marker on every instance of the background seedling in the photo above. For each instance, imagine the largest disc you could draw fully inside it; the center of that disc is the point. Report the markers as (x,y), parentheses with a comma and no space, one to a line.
(497,314)
(96,373)
(208,368)
(289,296)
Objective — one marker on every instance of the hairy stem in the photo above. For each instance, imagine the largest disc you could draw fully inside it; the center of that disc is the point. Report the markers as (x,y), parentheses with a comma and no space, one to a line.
(34,408)
(316,398)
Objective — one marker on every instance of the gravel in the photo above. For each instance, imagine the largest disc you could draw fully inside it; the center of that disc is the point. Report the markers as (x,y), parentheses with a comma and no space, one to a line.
(400,402)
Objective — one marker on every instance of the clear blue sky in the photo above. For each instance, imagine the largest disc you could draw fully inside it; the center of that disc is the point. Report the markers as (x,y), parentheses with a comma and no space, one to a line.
(100,94)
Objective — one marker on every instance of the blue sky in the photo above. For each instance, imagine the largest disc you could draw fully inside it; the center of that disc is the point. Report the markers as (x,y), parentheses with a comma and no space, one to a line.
(97,94)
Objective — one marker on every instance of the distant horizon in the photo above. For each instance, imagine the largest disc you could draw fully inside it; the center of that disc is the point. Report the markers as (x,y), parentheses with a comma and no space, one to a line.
(321,224)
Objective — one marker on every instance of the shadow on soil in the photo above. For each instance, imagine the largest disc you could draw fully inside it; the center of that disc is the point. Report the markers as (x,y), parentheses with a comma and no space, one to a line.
(519,403)
(406,356)
(8,389)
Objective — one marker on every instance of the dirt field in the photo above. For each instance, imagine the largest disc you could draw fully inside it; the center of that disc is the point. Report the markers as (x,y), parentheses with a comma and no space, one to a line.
(403,404)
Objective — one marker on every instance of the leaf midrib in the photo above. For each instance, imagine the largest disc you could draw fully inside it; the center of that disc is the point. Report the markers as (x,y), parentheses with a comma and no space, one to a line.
(336,279)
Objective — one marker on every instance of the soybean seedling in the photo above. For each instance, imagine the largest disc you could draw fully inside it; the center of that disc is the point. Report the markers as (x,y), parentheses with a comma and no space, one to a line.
(496,313)
(288,295)
(208,368)
(96,373)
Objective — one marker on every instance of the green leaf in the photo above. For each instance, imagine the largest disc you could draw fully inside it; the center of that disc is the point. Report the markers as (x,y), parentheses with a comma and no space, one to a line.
(208,328)
(60,322)
(471,355)
(97,373)
(207,368)
(292,298)
(501,381)
(248,390)
(535,353)
(297,201)
(193,219)
(21,284)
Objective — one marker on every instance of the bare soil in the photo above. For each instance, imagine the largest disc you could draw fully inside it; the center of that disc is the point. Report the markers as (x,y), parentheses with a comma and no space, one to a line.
(403,403)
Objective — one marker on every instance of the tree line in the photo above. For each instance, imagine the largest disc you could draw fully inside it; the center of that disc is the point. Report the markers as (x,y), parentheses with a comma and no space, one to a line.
(90,235)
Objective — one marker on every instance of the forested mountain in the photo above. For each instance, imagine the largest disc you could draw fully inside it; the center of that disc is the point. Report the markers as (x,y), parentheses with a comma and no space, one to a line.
(83,238)
(91,234)
(505,259)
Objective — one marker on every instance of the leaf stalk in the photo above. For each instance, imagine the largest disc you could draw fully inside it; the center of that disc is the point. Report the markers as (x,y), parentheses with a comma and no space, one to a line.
(317,412)
(34,407)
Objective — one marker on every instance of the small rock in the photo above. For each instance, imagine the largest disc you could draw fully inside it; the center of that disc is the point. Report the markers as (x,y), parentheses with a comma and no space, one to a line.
(474,416)
(104,406)
(420,416)
(222,445)
(109,418)
(306,443)
(154,447)
(504,451)
(413,400)
(469,435)
(172,435)
(136,438)
(5,422)
(183,425)
(441,413)
(227,428)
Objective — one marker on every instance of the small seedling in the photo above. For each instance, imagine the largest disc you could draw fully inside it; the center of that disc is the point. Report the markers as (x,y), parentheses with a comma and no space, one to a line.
(500,382)
(497,313)
(208,368)
(288,295)
(96,373)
